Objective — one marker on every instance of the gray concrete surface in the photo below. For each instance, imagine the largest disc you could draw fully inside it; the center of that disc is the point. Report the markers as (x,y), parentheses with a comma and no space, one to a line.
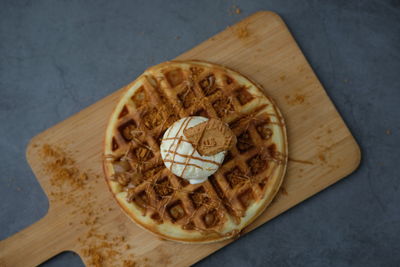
(57,57)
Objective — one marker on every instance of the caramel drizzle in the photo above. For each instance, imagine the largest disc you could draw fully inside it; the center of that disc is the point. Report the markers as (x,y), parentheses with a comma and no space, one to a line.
(186,121)
(189,157)
(174,138)
(194,149)
(183,163)
(193,157)
(214,204)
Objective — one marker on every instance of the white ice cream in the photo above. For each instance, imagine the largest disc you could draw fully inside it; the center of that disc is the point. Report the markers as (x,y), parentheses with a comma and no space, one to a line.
(182,159)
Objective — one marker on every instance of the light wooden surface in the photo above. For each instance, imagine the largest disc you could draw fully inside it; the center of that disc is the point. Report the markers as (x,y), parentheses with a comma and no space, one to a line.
(321,148)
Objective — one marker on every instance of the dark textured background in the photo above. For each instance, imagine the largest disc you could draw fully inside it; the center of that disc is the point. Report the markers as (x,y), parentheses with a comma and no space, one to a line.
(57,57)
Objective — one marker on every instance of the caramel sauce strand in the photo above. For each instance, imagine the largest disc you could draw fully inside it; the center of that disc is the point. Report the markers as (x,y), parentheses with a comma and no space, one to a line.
(193,157)
(186,121)
(194,149)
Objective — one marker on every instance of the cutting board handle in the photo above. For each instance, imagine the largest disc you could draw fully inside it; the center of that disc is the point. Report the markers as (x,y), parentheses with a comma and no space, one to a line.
(34,244)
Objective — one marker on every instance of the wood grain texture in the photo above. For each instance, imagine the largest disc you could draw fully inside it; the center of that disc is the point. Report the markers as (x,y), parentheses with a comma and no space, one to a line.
(321,148)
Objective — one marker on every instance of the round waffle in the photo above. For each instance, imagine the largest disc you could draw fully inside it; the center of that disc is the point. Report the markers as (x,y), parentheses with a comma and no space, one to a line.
(236,194)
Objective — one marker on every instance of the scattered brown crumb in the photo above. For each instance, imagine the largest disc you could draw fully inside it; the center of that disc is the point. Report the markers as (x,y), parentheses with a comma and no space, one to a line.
(112,253)
(49,151)
(283,191)
(95,258)
(177,37)
(321,156)
(83,176)
(241,31)
(300,68)
(129,263)
(127,246)
(388,132)
(62,169)
(69,186)
(297,99)
(234,9)
(329,131)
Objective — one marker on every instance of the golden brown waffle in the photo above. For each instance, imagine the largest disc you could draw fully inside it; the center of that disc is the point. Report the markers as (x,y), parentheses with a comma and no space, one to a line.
(236,194)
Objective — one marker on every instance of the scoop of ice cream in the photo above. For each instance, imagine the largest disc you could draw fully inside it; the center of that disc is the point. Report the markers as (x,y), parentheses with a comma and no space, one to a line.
(180,156)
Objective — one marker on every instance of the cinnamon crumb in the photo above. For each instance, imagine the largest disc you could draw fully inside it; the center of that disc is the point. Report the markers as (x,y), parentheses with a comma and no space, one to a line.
(242,32)
(69,186)
(129,263)
(322,157)
(83,176)
(300,68)
(234,9)
(283,191)
(388,132)
(297,99)
(112,253)
(95,257)
(62,168)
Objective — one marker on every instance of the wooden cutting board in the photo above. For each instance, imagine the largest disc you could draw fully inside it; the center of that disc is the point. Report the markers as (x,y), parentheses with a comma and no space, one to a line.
(321,149)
